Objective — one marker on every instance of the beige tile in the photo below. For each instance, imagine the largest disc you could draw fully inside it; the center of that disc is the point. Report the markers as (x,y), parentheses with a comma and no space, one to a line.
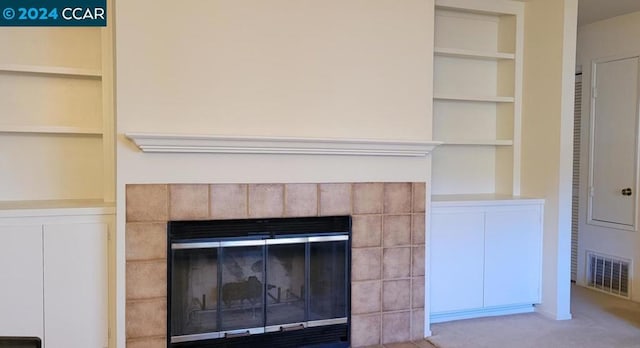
(397,198)
(146,279)
(146,241)
(335,199)
(368,198)
(396,263)
(417,261)
(417,289)
(365,264)
(301,200)
(396,230)
(365,330)
(367,231)
(188,202)
(400,345)
(146,318)
(375,346)
(147,203)
(417,229)
(419,197)
(152,342)
(396,327)
(228,201)
(365,297)
(417,325)
(266,200)
(396,295)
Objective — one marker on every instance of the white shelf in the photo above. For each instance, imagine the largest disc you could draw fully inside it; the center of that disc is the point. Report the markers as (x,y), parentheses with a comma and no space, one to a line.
(50,130)
(55,207)
(478,142)
(50,70)
(469,98)
(463,53)
(482,199)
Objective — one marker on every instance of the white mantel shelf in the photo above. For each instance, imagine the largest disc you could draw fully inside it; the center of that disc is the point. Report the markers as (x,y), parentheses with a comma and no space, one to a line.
(176,143)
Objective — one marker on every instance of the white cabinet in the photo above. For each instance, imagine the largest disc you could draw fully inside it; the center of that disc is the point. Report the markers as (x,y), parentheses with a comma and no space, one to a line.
(75,285)
(21,279)
(55,275)
(512,255)
(456,246)
(485,256)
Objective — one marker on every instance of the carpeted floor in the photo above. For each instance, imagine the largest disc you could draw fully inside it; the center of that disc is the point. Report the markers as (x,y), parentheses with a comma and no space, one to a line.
(599,321)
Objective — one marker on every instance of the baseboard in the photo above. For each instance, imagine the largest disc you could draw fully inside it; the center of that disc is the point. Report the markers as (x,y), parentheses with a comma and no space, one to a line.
(552,315)
(479,313)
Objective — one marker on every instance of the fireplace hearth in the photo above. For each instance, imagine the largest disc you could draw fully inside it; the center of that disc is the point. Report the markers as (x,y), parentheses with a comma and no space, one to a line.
(282,282)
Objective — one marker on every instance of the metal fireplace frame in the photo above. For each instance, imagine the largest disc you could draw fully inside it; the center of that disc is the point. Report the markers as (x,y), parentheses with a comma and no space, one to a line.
(263,232)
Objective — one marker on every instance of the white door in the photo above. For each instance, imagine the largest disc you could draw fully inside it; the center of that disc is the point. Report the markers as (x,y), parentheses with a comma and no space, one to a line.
(457,248)
(512,257)
(613,160)
(21,308)
(75,285)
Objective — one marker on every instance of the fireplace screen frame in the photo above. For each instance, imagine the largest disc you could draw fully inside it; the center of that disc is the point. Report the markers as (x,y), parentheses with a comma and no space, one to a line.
(225,235)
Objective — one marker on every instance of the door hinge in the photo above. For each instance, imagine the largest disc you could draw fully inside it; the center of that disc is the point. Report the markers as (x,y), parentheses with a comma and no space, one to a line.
(591,191)
(594,92)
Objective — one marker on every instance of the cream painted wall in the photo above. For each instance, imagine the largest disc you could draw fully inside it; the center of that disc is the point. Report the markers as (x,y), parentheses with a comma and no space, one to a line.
(616,36)
(324,68)
(333,68)
(547,124)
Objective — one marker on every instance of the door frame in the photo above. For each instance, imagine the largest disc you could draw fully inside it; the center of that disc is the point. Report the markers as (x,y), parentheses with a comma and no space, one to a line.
(592,123)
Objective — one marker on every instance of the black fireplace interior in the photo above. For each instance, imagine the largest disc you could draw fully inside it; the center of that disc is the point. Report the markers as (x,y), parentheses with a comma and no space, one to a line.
(281,282)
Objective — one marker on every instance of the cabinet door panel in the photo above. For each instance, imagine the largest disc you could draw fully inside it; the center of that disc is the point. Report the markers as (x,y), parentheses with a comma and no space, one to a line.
(75,285)
(512,257)
(457,247)
(21,278)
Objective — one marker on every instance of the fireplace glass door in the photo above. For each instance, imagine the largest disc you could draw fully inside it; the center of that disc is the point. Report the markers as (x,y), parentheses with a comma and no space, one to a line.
(286,283)
(329,279)
(194,289)
(231,288)
(242,279)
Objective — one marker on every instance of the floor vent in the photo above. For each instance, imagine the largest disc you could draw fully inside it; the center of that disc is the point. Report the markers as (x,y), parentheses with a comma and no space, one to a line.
(608,274)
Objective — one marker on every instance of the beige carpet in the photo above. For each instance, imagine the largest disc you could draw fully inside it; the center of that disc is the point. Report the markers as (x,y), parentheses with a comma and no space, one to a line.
(599,321)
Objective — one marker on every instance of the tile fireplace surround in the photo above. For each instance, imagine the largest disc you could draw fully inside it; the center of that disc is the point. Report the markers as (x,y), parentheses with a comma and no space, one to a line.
(388,252)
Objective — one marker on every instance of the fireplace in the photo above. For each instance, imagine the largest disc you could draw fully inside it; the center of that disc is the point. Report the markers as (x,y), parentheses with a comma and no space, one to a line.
(282,282)
(387,248)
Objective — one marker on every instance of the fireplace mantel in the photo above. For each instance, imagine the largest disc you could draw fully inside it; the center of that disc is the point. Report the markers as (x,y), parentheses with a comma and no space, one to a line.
(187,143)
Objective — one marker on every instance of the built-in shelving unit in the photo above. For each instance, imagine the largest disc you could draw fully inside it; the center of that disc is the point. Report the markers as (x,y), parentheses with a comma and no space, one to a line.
(477,97)
(485,239)
(57,184)
(56,102)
